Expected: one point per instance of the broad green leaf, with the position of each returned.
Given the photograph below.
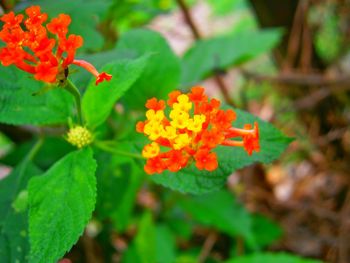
(222, 211)
(19, 106)
(162, 73)
(222, 52)
(85, 16)
(61, 202)
(98, 101)
(14, 244)
(272, 258)
(191, 180)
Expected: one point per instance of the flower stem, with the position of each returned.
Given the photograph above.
(36, 147)
(108, 148)
(72, 89)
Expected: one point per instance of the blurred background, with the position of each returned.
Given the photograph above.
(287, 62)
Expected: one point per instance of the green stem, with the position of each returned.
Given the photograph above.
(36, 147)
(105, 147)
(72, 89)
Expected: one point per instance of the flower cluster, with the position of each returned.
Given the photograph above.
(44, 51)
(196, 125)
(79, 136)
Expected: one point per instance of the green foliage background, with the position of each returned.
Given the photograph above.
(54, 191)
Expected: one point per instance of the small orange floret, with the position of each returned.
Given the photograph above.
(102, 77)
(206, 160)
(59, 25)
(173, 97)
(154, 104)
(197, 95)
(140, 125)
(251, 141)
(154, 165)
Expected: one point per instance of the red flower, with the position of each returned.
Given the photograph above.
(154, 104)
(33, 51)
(206, 160)
(191, 134)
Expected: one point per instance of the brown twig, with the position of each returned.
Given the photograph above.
(299, 79)
(189, 19)
(197, 36)
(294, 39)
(344, 230)
(208, 246)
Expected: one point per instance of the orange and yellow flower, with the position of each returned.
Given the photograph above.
(45, 51)
(195, 126)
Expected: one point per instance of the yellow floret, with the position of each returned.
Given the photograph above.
(169, 132)
(79, 136)
(183, 103)
(196, 123)
(153, 129)
(181, 141)
(151, 150)
(156, 116)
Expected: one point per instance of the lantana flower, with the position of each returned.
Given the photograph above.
(194, 128)
(45, 51)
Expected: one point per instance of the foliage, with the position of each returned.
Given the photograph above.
(55, 190)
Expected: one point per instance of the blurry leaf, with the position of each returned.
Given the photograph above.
(222, 211)
(143, 248)
(52, 149)
(265, 231)
(191, 180)
(224, 7)
(14, 244)
(222, 52)
(61, 202)
(85, 16)
(98, 101)
(165, 245)
(162, 73)
(145, 241)
(271, 258)
(118, 181)
(21, 202)
(328, 38)
(19, 106)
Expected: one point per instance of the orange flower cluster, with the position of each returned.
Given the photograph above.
(196, 125)
(30, 46)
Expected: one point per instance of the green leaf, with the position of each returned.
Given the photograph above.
(191, 180)
(85, 16)
(143, 247)
(265, 231)
(146, 239)
(162, 73)
(223, 52)
(14, 244)
(222, 211)
(117, 179)
(61, 202)
(165, 245)
(19, 106)
(99, 101)
(271, 258)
